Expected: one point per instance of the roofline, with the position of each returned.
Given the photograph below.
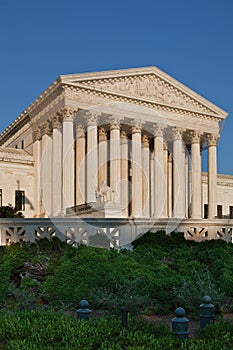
(62, 79)
(148, 69)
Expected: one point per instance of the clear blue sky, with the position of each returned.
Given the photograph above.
(190, 40)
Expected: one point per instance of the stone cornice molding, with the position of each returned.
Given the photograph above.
(99, 93)
(165, 94)
(149, 83)
(48, 97)
(102, 134)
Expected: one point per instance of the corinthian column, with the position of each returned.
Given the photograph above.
(57, 166)
(178, 175)
(145, 176)
(159, 180)
(36, 153)
(212, 176)
(165, 162)
(124, 174)
(46, 169)
(136, 170)
(92, 156)
(103, 156)
(115, 157)
(196, 197)
(170, 187)
(68, 160)
(80, 164)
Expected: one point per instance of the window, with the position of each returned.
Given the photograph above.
(0, 198)
(205, 211)
(19, 200)
(219, 211)
(22, 144)
(231, 211)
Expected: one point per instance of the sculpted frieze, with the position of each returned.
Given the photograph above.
(148, 86)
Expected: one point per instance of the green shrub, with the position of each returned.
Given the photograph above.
(5, 273)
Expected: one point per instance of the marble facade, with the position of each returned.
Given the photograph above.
(119, 144)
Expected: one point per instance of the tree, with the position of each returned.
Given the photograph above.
(9, 211)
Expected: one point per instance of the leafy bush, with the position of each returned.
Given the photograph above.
(9, 211)
(161, 273)
(5, 273)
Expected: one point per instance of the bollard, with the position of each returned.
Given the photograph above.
(180, 324)
(124, 317)
(83, 313)
(206, 312)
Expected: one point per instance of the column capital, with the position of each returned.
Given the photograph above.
(195, 136)
(212, 139)
(56, 121)
(92, 118)
(115, 122)
(67, 113)
(123, 136)
(158, 130)
(136, 126)
(80, 131)
(102, 134)
(46, 129)
(177, 133)
(36, 134)
(165, 146)
(169, 158)
(145, 141)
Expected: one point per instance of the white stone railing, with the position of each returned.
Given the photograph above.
(116, 233)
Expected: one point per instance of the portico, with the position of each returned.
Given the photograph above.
(125, 144)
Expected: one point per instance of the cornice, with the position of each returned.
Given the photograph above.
(95, 92)
(120, 75)
(44, 100)
(222, 179)
(55, 97)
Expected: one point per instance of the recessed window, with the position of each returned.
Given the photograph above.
(0, 198)
(22, 144)
(19, 200)
(205, 211)
(219, 211)
(231, 211)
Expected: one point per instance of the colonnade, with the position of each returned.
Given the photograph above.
(146, 172)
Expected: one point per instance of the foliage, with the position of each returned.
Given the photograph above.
(9, 211)
(5, 273)
(161, 273)
(53, 331)
(194, 287)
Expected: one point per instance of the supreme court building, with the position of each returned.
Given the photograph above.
(116, 144)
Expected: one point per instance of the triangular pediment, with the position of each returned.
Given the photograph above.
(150, 84)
